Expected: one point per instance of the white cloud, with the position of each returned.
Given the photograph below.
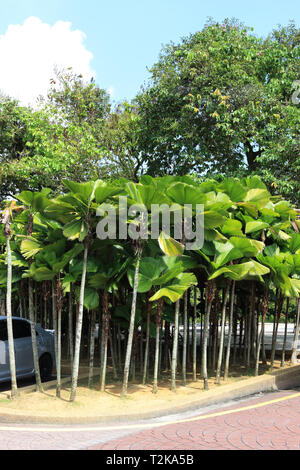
(30, 52)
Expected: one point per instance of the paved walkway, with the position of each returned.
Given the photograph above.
(269, 422)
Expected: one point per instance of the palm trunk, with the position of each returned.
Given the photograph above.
(35, 304)
(134, 351)
(201, 319)
(250, 320)
(119, 347)
(184, 352)
(105, 321)
(215, 330)
(3, 308)
(75, 370)
(285, 332)
(141, 351)
(274, 338)
(235, 331)
(10, 336)
(54, 322)
(296, 335)
(92, 349)
(146, 356)
(70, 321)
(263, 347)
(34, 340)
(175, 347)
(112, 352)
(131, 326)
(157, 348)
(195, 336)
(32, 318)
(226, 371)
(210, 291)
(241, 329)
(221, 347)
(258, 349)
(167, 350)
(45, 311)
(265, 305)
(101, 335)
(58, 362)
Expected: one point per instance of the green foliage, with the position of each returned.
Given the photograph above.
(63, 138)
(220, 102)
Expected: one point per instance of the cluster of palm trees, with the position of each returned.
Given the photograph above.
(54, 266)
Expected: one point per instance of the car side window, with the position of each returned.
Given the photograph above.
(3, 330)
(21, 329)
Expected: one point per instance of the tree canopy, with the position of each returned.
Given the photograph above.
(220, 102)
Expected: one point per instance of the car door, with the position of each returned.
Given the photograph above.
(4, 362)
(23, 347)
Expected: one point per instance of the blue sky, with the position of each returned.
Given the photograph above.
(125, 37)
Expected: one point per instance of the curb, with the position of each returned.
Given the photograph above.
(278, 380)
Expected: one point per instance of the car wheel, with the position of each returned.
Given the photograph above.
(45, 363)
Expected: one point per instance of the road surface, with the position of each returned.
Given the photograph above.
(266, 422)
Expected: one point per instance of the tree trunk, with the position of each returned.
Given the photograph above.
(105, 321)
(195, 336)
(265, 305)
(58, 362)
(263, 348)
(112, 352)
(215, 330)
(167, 346)
(10, 336)
(249, 324)
(92, 349)
(3, 309)
(221, 347)
(158, 322)
(146, 356)
(131, 326)
(275, 331)
(75, 370)
(32, 318)
(54, 322)
(70, 326)
(296, 335)
(285, 332)
(119, 347)
(175, 347)
(235, 331)
(210, 293)
(226, 371)
(134, 351)
(34, 340)
(184, 351)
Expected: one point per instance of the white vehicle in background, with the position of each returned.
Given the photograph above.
(23, 350)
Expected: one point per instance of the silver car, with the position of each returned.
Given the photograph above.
(23, 350)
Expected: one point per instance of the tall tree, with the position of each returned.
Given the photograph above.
(220, 101)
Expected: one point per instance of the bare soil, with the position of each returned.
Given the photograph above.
(92, 403)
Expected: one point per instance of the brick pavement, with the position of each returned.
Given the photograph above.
(274, 426)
